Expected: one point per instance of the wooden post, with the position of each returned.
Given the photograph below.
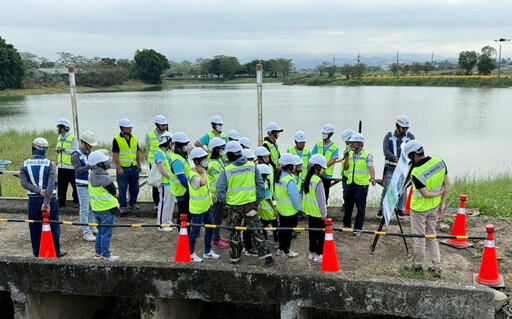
(259, 86)
(72, 86)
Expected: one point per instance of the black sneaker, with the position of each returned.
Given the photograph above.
(269, 261)
(251, 252)
(342, 208)
(418, 270)
(301, 215)
(434, 271)
(400, 213)
(76, 205)
(62, 253)
(379, 214)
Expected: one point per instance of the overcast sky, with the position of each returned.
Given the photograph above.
(255, 28)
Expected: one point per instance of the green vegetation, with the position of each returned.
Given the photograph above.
(12, 71)
(149, 65)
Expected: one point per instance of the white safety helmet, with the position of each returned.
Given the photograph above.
(104, 151)
(216, 142)
(166, 137)
(233, 147)
(264, 169)
(298, 160)
(216, 120)
(64, 122)
(412, 147)
(233, 135)
(327, 129)
(300, 136)
(244, 141)
(273, 127)
(402, 121)
(356, 137)
(40, 143)
(261, 151)
(124, 122)
(197, 152)
(180, 137)
(97, 157)
(347, 134)
(160, 120)
(88, 137)
(248, 154)
(287, 159)
(318, 159)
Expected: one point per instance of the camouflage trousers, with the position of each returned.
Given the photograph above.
(235, 241)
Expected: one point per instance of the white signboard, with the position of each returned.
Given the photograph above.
(395, 186)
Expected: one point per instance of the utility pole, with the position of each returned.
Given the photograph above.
(499, 59)
(358, 58)
(334, 61)
(397, 64)
(72, 86)
(259, 89)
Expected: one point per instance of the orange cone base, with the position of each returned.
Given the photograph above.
(182, 249)
(498, 283)
(330, 258)
(46, 247)
(460, 244)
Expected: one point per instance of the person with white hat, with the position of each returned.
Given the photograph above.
(217, 125)
(162, 159)
(301, 150)
(233, 135)
(180, 172)
(152, 141)
(82, 168)
(245, 142)
(360, 172)
(67, 144)
(125, 151)
(329, 150)
(267, 211)
(345, 136)
(392, 150)
(263, 157)
(270, 143)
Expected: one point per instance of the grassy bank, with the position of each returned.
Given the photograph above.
(449, 81)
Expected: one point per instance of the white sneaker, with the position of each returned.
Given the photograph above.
(166, 229)
(281, 253)
(111, 258)
(211, 255)
(292, 254)
(318, 258)
(93, 230)
(155, 207)
(195, 258)
(89, 237)
(98, 257)
(276, 245)
(312, 256)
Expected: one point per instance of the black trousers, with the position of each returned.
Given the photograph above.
(327, 187)
(285, 236)
(272, 222)
(183, 208)
(355, 194)
(66, 176)
(316, 238)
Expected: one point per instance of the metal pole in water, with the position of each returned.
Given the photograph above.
(72, 86)
(259, 87)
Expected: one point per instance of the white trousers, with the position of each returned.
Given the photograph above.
(165, 205)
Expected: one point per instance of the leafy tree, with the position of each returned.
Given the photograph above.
(203, 65)
(486, 63)
(12, 70)
(30, 60)
(394, 67)
(331, 70)
(468, 60)
(149, 65)
(416, 67)
(225, 66)
(322, 68)
(346, 70)
(282, 67)
(358, 70)
(250, 67)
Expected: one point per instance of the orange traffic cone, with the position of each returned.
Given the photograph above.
(489, 275)
(330, 258)
(459, 227)
(46, 247)
(183, 249)
(407, 208)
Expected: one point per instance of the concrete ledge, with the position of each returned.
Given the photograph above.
(243, 285)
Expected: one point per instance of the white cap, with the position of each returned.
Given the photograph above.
(244, 141)
(261, 151)
(402, 121)
(166, 137)
(216, 142)
(412, 146)
(347, 134)
(104, 151)
(96, 157)
(264, 169)
(248, 153)
(287, 159)
(124, 122)
(356, 137)
(180, 137)
(298, 160)
(88, 137)
(300, 136)
(318, 159)
(216, 120)
(65, 123)
(233, 135)
(328, 128)
(160, 119)
(233, 147)
(197, 152)
(40, 143)
(272, 126)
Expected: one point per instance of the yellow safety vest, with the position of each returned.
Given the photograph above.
(431, 174)
(217, 165)
(342, 171)
(305, 160)
(212, 135)
(127, 153)
(65, 144)
(200, 199)
(358, 173)
(274, 152)
(167, 166)
(241, 184)
(100, 199)
(328, 155)
(176, 188)
(153, 145)
(309, 200)
(265, 210)
(284, 204)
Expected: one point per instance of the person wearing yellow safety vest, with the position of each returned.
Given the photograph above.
(103, 199)
(299, 180)
(201, 200)
(360, 172)
(125, 151)
(288, 203)
(263, 157)
(240, 186)
(267, 211)
(233, 135)
(162, 159)
(345, 136)
(301, 150)
(329, 150)
(180, 172)
(313, 204)
(248, 249)
(245, 142)
(151, 142)
(215, 167)
(270, 143)
(67, 144)
(430, 188)
(217, 124)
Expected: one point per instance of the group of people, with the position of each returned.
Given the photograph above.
(260, 188)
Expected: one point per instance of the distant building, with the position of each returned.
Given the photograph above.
(56, 74)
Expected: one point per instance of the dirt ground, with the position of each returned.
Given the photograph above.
(148, 244)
